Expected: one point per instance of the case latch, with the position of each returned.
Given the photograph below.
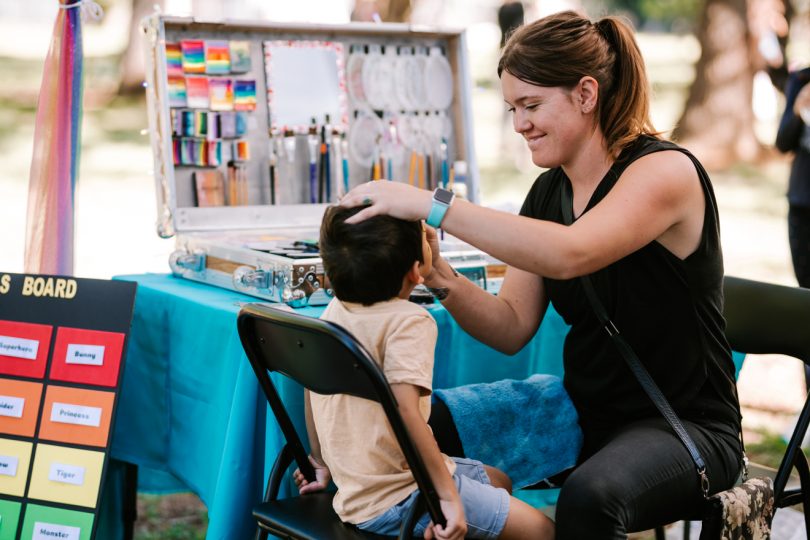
(246, 277)
(181, 261)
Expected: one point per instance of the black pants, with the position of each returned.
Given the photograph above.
(643, 477)
(635, 479)
(799, 236)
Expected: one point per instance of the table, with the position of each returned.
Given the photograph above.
(191, 415)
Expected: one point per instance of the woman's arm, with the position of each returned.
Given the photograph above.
(658, 197)
(505, 322)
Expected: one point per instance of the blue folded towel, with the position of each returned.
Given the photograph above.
(528, 429)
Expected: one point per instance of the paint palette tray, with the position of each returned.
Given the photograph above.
(257, 127)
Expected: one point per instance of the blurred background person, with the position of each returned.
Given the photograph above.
(510, 16)
(794, 136)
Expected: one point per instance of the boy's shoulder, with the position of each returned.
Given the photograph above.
(396, 307)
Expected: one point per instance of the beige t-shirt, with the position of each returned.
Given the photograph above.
(357, 442)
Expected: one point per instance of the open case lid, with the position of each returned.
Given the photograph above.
(190, 46)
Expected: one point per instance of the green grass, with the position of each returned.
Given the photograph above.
(178, 516)
(768, 450)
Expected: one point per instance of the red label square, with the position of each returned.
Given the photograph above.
(24, 348)
(87, 356)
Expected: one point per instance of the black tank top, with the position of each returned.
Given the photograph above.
(669, 311)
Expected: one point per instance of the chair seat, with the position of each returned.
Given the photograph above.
(308, 517)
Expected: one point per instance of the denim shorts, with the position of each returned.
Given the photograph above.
(485, 507)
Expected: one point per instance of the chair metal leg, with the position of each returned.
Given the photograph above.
(130, 500)
(800, 462)
(659, 533)
(794, 447)
(687, 529)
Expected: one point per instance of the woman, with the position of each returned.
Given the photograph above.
(645, 229)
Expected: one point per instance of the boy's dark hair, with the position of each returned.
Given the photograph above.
(366, 261)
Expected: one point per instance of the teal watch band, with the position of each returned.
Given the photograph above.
(442, 199)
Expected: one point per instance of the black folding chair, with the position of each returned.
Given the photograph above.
(326, 359)
(765, 318)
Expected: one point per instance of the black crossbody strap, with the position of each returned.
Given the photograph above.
(632, 360)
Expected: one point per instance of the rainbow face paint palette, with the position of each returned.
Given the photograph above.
(244, 95)
(193, 56)
(256, 127)
(217, 57)
(221, 94)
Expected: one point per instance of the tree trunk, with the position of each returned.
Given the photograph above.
(718, 121)
(132, 63)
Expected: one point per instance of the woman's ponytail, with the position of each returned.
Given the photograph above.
(625, 110)
(560, 49)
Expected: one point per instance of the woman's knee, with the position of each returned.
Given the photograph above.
(588, 507)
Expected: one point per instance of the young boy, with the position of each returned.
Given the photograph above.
(373, 267)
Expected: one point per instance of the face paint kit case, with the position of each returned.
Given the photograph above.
(256, 127)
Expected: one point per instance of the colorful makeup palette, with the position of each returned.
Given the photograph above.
(193, 51)
(177, 91)
(197, 93)
(174, 60)
(244, 92)
(217, 57)
(240, 56)
(221, 94)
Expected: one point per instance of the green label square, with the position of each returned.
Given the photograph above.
(57, 517)
(9, 518)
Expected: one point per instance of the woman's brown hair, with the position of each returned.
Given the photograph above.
(560, 49)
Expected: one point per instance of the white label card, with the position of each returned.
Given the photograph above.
(19, 347)
(51, 531)
(88, 355)
(66, 474)
(76, 414)
(8, 465)
(12, 406)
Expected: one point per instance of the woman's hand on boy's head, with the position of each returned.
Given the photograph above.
(322, 478)
(388, 198)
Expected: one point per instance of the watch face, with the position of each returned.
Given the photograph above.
(443, 195)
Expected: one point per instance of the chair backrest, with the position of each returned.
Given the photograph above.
(765, 318)
(326, 359)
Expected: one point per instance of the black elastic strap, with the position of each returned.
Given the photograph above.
(632, 360)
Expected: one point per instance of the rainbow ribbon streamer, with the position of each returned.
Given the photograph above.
(57, 146)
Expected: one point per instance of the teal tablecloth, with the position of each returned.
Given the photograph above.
(190, 412)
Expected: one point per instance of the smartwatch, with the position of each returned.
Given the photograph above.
(442, 199)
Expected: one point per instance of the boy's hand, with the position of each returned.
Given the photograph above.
(456, 526)
(322, 478)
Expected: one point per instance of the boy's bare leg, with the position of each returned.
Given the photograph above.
(498, 478)
(526, 522)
